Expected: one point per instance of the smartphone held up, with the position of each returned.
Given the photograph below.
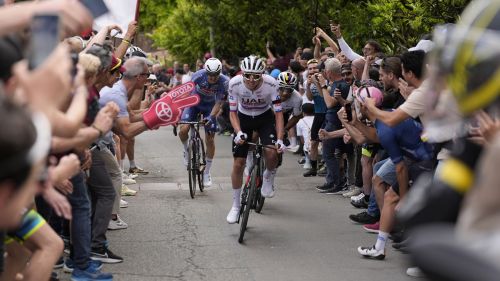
(45, 36)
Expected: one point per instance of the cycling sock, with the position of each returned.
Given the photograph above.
(132, 163)
(208, 166)
(269, 175)
(314, 164)
(236, 198)
(185, 144)
(381, 240)
(293, 141)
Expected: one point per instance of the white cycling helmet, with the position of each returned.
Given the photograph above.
(213, 65)
(252, 64)
(287, 80)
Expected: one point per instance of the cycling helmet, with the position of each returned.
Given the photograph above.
(287, 80)
(135, 51)
(370, 92)
(252, 64)
(469, 59)
(213, 65)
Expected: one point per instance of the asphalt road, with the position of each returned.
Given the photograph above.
(300, 235)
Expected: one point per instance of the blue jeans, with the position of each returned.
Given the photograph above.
(373, 209)
(333, 176)
(80, 226)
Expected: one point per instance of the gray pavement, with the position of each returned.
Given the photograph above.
(300, 235)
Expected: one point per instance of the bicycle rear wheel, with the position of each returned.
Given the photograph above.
(201, 163)
(246, 204)
(192, 173)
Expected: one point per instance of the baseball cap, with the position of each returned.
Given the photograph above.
(170, 70)
(116, 63)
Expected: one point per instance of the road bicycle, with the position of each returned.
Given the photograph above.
(250, 196)
(196, 151)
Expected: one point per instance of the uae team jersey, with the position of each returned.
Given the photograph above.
(254, 103)
(209, 93)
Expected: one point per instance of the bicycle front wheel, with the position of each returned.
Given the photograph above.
(192, 167)
(259, 199)
(247, 204)
(201, 163)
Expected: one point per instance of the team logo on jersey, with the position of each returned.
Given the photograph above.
(252, 101)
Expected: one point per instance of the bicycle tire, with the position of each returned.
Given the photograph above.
(192, 168)
(247, 204)
(201, 163)
(259, 200)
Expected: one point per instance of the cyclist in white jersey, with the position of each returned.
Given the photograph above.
(251, 96)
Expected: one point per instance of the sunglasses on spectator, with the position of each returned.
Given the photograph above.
(255, 77)
(344, 74)
(145, 74)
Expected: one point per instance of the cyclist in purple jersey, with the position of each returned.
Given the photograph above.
(211, 86)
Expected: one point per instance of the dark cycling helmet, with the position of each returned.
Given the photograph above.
(213, 66)
(468, 57)
(287, 80)
(252, 64)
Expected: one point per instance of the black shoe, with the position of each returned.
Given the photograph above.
(302, 160)
(362, 204)
(59, 263)
(310, 173)
(323, 188)
(336, 190)
(397, 236)
(403, 245)
(363, 218)
(105, 255)
(54, 276)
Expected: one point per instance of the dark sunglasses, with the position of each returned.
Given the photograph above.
(213, 74)
(255, 77)
(344, 74)
(287, 90)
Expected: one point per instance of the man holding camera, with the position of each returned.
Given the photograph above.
(335, 96)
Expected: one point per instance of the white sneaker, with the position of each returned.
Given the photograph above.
(307, 166)
(267, 189)
(131, 176)
(293, 148)
(357, 197)
(354, 191)
(414, 272)
(233, 215)
(123, 203)
(117, 224)
(128, 181)
(207, 180)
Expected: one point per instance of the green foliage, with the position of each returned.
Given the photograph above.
(242, 27)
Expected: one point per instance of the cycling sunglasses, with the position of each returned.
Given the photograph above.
(256, 77)
(287, 90)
